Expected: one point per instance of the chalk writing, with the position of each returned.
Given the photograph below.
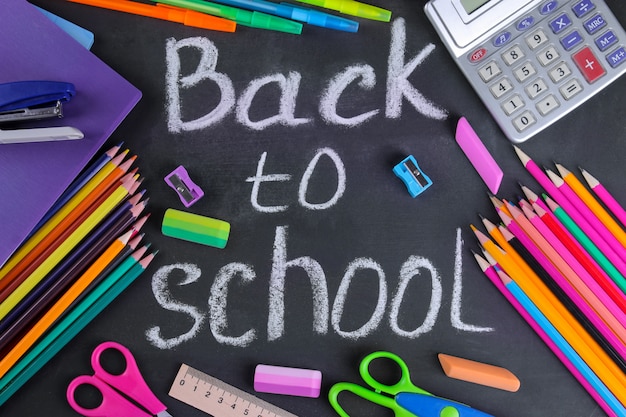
(398, 88)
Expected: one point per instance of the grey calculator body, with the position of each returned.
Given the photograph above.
(532, 61)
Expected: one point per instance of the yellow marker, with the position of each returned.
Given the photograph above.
(353, 8)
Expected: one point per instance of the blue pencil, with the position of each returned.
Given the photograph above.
(611, 401)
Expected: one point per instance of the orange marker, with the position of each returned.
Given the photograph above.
(178, 15)
(478, 373)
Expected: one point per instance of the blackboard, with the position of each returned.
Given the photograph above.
(370, 225)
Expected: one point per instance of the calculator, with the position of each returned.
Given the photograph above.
(532, 61)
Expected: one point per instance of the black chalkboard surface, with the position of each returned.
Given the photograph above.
(322, 231)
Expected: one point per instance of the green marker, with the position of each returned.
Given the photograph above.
(243, 17)
(586, 243)
(353, 8)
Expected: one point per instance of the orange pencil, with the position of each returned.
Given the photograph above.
(61, 305)
(110, 173)
(171, 14)
(593, 204)
(48, 243)
(562, 320)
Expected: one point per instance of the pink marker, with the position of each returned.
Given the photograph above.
(478, 155)
(287, 381)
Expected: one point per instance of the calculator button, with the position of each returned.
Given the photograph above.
(547, 104)
(501, 87)
(548, 56)
(513, 55)
(570, 89)
(588, 64)
(502, 39)
(535, 88)
(524, 121)
(548, 7)
(536, 39)
(560, 72)
(595, 24)
(570, 40)
(524, 72)
(605, 41)
(477, 55)
(513, 104)
(525, 24)
(617, 58)
(583, 7)
(489, 71)
(561, 23)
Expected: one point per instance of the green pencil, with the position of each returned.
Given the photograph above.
(73, 323)
(587, 244)
(249, 18)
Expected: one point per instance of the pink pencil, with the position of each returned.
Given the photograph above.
(606, 197)
(584, 284)
(526, 240)
(589, 215)
(554, 192)
(490, 273)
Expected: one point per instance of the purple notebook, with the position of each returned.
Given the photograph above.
(33, 175)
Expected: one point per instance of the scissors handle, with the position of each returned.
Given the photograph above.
(404, 384)
(130, 381)
(367, 394)
(113, 403)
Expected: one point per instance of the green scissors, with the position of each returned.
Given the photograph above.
(403, 398)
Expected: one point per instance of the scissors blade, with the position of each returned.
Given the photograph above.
(431, 406)
(164, 413)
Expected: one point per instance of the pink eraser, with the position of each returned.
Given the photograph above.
(287, 381)
(478, 155)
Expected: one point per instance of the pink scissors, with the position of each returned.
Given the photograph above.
(130, 383)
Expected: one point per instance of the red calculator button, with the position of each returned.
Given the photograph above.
(588, 64)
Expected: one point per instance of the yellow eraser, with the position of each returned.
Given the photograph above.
(478, 373)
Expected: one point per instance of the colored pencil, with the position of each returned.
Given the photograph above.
(87, 174)
(569, 208)
(43, 297)
(69, 244)
(63, 332)
(33, 241)
(61, 305)
(587, 214)
(60, 226)
(581, 256)
(562, 345)
(591, 303)
(560, 318)
(605, 196)
(589, 200)
(589, 246)
(531, 256)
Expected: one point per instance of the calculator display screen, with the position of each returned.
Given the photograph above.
(471, 5)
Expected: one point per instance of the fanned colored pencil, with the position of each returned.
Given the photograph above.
(593, 204)
(562, 320)
(61, 305)
(63, 332)
(606, 197)
(58, 228)
(69, 244)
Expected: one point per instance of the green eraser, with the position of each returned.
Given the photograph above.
(195, 228)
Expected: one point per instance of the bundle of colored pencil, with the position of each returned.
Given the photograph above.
(85, 251)
(560, 260)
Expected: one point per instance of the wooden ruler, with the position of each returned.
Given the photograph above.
(217, 398)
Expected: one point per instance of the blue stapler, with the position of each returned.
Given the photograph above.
(31, 100)
(412, 176)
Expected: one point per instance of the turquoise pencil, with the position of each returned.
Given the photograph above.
(600, 388)
(73, 323)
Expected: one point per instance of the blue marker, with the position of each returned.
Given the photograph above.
(414, 179)
(300, 14)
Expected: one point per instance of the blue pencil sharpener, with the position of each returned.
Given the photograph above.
(412, 176)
